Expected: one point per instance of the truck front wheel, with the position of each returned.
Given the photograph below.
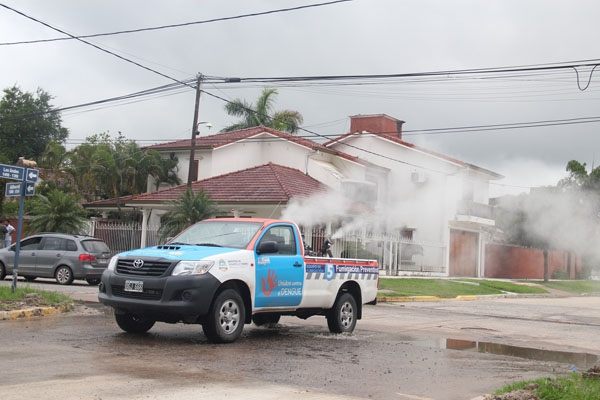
(342, 316)
(225, 320)
(132, 323)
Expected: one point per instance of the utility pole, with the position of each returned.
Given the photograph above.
(194, 132)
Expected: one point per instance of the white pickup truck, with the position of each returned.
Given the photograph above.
(227, 272)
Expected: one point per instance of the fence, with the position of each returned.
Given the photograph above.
(396, 254)
(122, 236)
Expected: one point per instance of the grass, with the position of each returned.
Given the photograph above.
(572, 387)
(578, 287)
(449, 288)
(8, 298)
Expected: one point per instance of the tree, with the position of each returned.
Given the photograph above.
(262, 114)
(57, 212)
(564, 217)
(53, 170)
(106, 168)
(580, 179)
(188, 209)
(28, 123)
(166, 171)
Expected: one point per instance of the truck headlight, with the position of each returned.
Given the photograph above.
(192, 267)
(112, 264)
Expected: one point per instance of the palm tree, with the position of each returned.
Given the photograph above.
(57, 212)
(53, 165)
(187, 210)
(262, 114)
(166, 171)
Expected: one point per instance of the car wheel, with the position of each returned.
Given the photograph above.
(266, 318)
(2, 271)
(132, 323)
(225, 320)
(93, 281)
(342, 316)
(64, 275)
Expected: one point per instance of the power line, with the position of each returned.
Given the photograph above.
(95, 46)
(514, 125)
(159, 90)
(256, 14)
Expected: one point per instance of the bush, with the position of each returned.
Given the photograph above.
(560, 274)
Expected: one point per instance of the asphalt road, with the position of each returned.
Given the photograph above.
(423, 350)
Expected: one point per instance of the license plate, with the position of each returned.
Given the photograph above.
(134, 286)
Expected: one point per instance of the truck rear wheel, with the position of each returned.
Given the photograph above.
(342, 316)
(132, 323)
(225, 320)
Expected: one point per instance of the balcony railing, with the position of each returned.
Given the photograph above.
(473, 209)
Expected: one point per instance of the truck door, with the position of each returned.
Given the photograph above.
(279, 275)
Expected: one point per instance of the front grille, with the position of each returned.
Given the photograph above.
(147, 294)
(150, 267)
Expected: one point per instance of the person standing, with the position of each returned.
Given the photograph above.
(3, 232)
(9, 231)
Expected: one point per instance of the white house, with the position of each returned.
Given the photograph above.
(438, 198)
(368, 181)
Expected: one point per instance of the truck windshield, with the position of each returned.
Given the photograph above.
(219, 233)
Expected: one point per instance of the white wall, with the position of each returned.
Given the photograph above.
(427, 205)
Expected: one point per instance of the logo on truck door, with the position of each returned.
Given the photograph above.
(279, 276)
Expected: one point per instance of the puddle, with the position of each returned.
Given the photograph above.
(579, 360)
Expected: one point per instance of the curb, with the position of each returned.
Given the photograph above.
(412, 299)
(35, 312)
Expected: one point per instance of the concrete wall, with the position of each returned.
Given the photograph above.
(514, 262)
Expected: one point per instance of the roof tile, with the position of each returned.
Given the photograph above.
(263, 184)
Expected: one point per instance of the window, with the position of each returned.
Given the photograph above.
(194, 174)
(70, 245)
(284, 237)
(93, 246)
(53, 243)
(31, 243)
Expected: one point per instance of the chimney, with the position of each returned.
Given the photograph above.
(378, 123)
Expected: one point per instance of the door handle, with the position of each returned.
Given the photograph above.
(297, 264)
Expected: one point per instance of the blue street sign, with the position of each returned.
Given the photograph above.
(13, 189)
(12, 172)
(31, 175)
(29, 189)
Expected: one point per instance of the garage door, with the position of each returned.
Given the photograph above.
(463, 253)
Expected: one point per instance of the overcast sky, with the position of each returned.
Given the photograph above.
(360, 37)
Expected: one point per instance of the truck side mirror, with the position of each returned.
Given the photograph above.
(267, 247)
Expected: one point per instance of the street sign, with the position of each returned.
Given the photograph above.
(29, 189)
(12, 172)
(13, 189)
(31, 175)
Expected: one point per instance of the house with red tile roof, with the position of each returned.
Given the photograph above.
(236, 150)
(258, 191)
(388, 185)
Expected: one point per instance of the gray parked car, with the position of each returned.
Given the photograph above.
(58, 255)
